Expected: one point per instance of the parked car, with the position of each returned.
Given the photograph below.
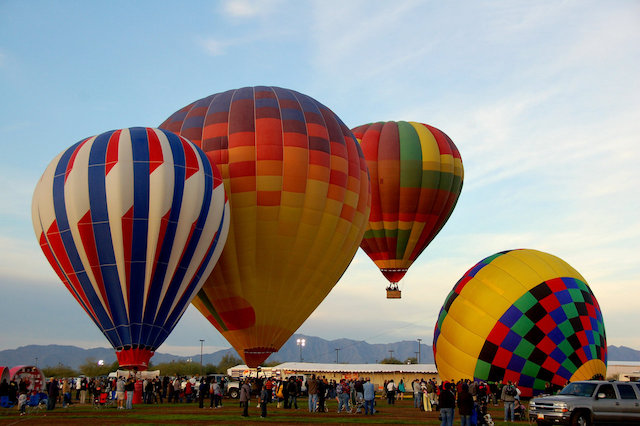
(230, 386)
(589, 402)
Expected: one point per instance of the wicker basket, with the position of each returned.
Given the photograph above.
(394, 294)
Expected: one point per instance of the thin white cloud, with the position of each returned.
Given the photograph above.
(214, 47)
(243, 9)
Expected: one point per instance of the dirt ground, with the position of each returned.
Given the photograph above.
(400, 413)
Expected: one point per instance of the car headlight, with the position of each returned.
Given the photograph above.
(561, 407)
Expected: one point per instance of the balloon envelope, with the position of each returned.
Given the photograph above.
(132, 221)
(521, 315)
(299, 195)
(416, 178)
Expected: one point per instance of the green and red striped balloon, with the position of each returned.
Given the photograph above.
(416, 178)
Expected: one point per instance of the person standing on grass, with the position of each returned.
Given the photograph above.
(312, 388)
(264, 400)
(415, 386)
(322, 392)
(465, 405)
(293, 388)
(120, 393)
(66, 393)
(202, 391)
(212, 393)
(401, 389)
(129, 388)
(52, 394)
(217, 394)
(344, 391)
(447, 404)
(285, 391)
(391, 392)
(369, 395)
(509, 394)
(245, 397)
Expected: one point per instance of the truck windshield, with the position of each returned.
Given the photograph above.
(579, 389)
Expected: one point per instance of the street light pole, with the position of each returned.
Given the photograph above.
(419, 342)
(300, 343)
(201, 343)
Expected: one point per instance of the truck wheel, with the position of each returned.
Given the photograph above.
(233, 393)
(581, 419)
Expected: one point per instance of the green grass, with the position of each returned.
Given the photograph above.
(402, 413)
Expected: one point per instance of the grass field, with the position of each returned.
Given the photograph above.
(189, 414)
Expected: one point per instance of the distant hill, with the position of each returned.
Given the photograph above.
(622, 353)
(316, 349)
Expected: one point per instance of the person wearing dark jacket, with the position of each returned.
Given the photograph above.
(264, 400)
(294, 390)
(245, 397)
(447, 403)
(322, 391)
(465, 405)
(285, 392)
(202, 391)
(52, 394)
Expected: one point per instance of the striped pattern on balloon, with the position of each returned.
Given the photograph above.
(132, 221)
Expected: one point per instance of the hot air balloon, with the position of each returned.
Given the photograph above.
(299, 194)
(132, 221)
(416, 178)
(524, 316)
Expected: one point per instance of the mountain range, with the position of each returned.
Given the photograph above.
(316, 349)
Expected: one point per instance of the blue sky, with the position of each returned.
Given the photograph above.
(541, 98)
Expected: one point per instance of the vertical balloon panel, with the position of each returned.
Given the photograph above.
(299, 195)
(132, 221)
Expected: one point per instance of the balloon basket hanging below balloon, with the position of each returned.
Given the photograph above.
(393, 292)
(134, 358)
(394, 275)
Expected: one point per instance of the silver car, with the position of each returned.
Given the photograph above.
(589, 402)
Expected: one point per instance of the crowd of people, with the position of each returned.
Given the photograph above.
(352, 396)
(471, 398)
(357, 395)
(119, 390)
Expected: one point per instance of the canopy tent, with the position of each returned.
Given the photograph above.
(4, 374)
(30, 373)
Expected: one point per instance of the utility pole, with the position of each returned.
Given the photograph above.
(301, 343)
(201, 343)
(337, 350)
(391, 357)
(419, 342)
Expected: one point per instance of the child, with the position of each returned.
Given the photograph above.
(22, 403)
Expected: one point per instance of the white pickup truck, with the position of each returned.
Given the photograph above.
(589, 402)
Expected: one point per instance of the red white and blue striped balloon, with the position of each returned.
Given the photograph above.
(132, 221)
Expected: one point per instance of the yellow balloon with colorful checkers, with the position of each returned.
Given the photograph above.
(524, 316)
